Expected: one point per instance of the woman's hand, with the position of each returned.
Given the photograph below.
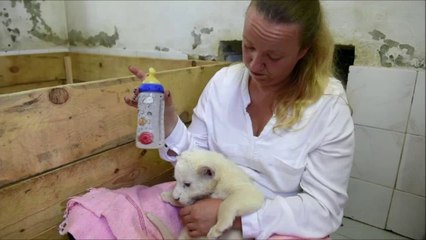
(133, 101)
(200, 216)
(170, 116)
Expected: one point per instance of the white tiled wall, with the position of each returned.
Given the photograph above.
(416, 124)
(411, 176)
(381, 97)
(368, 202)
(377, 155)
(407, 215)
(387, 186)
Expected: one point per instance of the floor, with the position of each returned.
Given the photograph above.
(352, 229)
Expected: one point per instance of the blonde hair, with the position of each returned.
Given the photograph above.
(311, 74)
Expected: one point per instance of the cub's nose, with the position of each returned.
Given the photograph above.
(176, 199)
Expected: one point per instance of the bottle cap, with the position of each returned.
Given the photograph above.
(151, 83)
(151, 77)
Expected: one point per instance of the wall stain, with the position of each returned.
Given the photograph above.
(392, 53)
(197, 39)
(197, 35)
(206, 30)
(41, 30)
(102, 38)
(377, 35)
(7, 21)
(162, 49)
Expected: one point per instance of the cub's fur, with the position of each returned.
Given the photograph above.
(206, 174)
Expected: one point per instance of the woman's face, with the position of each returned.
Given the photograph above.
(270, 50)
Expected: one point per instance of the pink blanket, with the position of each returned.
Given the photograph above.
(119, 214)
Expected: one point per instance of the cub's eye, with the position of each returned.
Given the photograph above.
(186, 184)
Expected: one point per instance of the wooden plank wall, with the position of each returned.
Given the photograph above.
(57, 142)
(89, 67)
(22, 72)
(25, 72)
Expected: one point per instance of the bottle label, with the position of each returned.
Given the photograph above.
(150, 122)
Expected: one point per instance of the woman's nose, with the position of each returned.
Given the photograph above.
(257, 64)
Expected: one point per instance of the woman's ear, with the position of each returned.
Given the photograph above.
(206, 172)
(302, 53)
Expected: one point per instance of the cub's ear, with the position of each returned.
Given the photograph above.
(206, 172)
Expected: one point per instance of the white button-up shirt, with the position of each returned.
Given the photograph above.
(303, 172)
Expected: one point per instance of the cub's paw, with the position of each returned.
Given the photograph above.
(214, 233)
(168, 198)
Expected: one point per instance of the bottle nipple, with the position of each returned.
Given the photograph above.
(151, 76)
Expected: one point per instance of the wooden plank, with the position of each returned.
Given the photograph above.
(166, 176)
(89, 67)
(30, 86)
(33, 68)
(68, 70)
(35, 206)
(37, 135)
(51, 233)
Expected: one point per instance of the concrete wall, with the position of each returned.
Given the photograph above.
(32, 26)
(161, 28)
(384, 33)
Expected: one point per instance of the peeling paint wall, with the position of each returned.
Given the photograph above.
(39, 25)
(384, 33)
(92, 24)
(174, 29)
(28, 25)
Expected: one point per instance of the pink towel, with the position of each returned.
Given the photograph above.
(119, 214)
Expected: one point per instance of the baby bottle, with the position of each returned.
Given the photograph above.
(150, 126)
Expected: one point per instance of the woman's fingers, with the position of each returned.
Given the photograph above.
(191, 226)
(130, 101)
(138, 73)
(194, 233)
(168, 98)
(133, 101)
(187, 219)
(185, 211)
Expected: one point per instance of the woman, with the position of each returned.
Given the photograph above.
(281, 118)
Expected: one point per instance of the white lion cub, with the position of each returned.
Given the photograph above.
(206, 174)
